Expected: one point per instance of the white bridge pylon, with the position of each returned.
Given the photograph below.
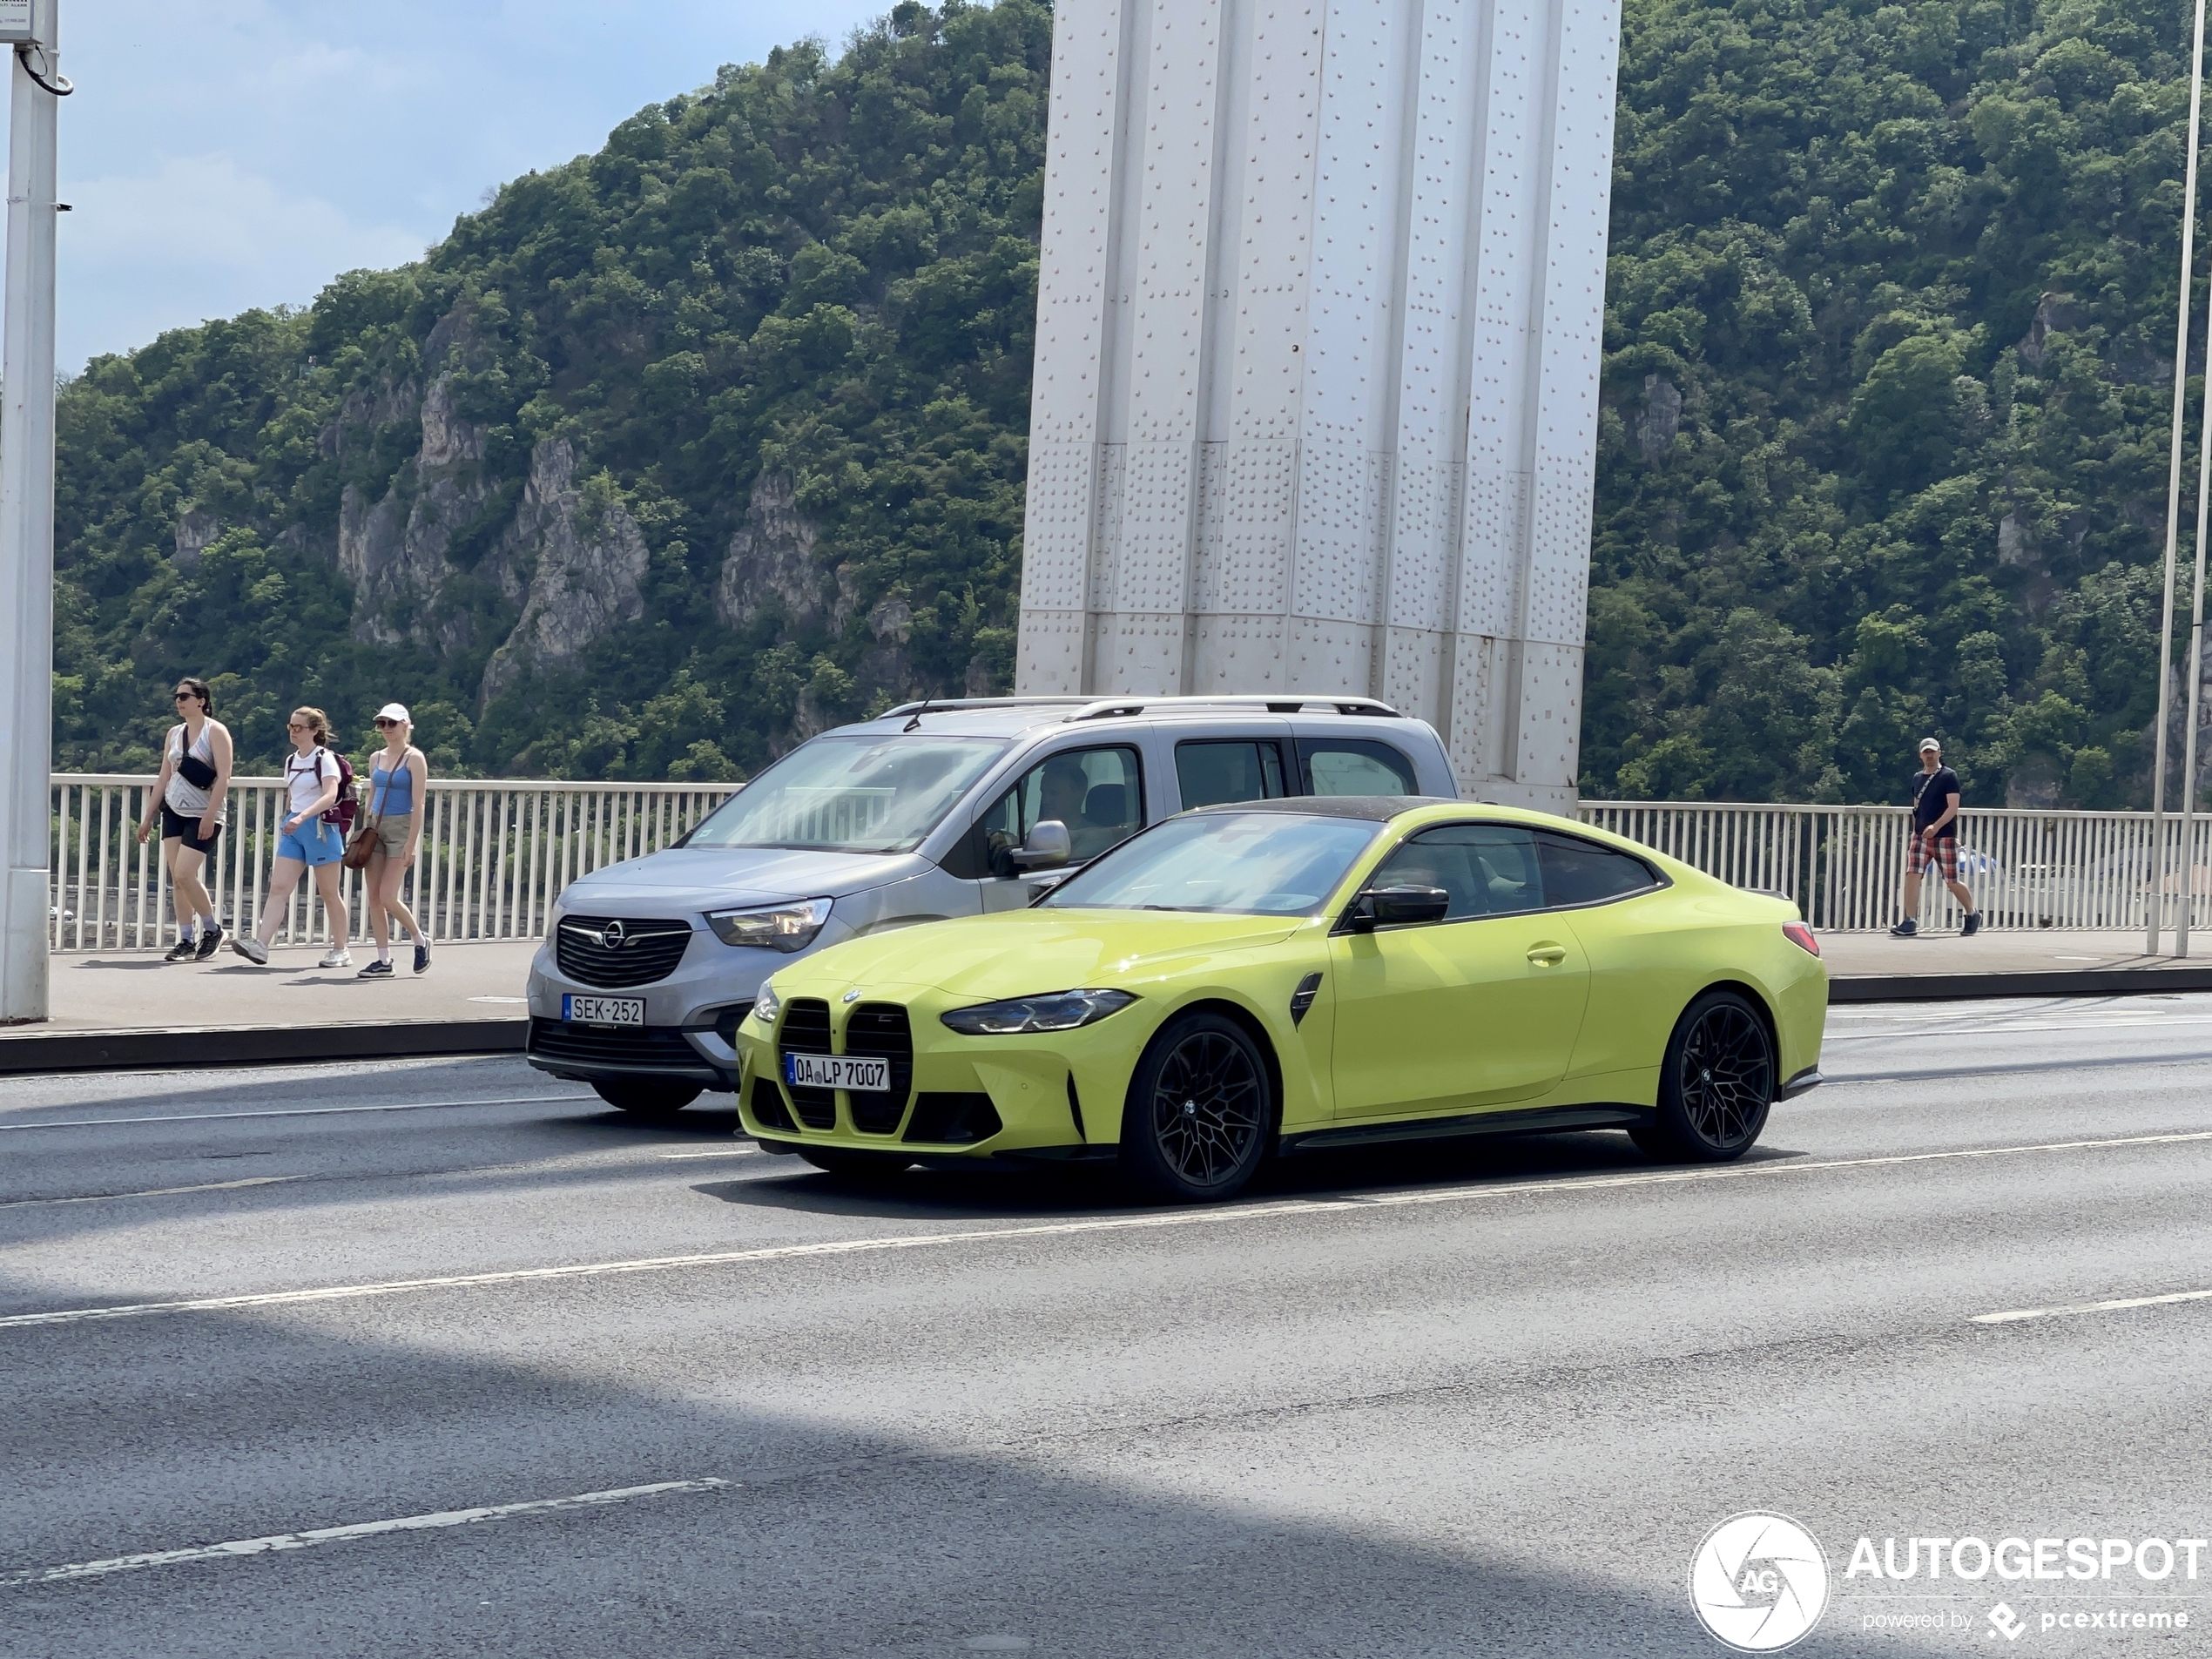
(1319, 333)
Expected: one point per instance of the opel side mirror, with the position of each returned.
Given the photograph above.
(1047, 848)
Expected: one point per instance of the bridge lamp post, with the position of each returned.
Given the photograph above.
(2161, 862)
(27, 505)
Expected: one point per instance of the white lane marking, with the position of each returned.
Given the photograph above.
(156, 1192)
(334, 1534)
(2010, 1030)
(718, 1152)
(303, 1111)
(1056, 1229)
(2013, 1316)
(500, 999)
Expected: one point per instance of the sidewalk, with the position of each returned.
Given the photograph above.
(1873, 967)
(130, 1008)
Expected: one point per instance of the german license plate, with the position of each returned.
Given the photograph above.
(603, 1010)
(836, 1071)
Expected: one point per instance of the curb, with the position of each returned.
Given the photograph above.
(245, 1045)
(2080, 982)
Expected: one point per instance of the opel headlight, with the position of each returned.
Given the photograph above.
(781, 927)
(766, 1005)
(1054, 1011)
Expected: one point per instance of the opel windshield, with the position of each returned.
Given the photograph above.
(869, 794)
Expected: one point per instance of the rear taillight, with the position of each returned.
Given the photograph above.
(1800, 935)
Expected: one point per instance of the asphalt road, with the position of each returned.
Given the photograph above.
(1481, 1399)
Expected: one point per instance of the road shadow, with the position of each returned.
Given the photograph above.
(1015, 1191)
(1291, 1524)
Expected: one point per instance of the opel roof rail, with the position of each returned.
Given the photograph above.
(948, 704)
(1270, 702)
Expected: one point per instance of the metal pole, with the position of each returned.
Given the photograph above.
(27, 527)
(2183, 916)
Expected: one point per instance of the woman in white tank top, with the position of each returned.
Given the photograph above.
(187, 797)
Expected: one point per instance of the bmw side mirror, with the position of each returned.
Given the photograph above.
(1392, 905)
(1047, 848)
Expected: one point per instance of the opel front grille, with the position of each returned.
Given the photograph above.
(614, 953)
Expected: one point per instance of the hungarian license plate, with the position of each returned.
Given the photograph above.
(836, 1071)
(603, 1010)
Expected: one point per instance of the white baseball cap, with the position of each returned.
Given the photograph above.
(395, 711)
(1926, 743)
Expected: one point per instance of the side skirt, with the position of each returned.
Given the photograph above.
(1535, 1120)
(1808, 1078)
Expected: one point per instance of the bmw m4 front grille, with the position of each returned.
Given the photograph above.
(807, 1030)
(876, 1029)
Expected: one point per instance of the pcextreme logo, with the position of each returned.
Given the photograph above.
(1759, 1582)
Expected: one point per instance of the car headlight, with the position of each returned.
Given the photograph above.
(780, 927)
(766, 1005)
(1054, 1011)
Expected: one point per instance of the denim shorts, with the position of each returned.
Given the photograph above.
(313, 843)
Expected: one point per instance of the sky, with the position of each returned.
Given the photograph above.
(222, 154)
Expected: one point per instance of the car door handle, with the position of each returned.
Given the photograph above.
(1548, 954)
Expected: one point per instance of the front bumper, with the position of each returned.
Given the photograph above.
(690, 1019)
(1053, 1095)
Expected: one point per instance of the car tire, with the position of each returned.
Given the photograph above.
(1716, 1084)
(1201, 1112)
(647, 1099)
(853, 1166)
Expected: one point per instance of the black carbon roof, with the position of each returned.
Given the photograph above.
(1379, 809)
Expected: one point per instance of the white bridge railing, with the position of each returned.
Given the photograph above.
(495, 853)
(1842, 864)
(493, 857)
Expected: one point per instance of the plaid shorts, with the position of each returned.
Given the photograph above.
(1944, 856)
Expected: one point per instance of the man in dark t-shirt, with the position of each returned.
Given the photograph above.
(1935, 840)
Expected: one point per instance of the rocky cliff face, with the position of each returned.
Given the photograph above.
(562, 573)
(587, 563)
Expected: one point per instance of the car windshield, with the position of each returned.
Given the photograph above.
(877, 794)
(1269, 864)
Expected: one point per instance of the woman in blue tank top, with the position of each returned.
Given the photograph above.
(399, 783)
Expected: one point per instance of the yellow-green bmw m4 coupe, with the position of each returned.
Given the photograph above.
(1286, 977)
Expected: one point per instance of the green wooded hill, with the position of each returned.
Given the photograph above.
(702, 443)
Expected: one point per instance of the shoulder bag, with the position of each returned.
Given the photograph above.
(363, 847)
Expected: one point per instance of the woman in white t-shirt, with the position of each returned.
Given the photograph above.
(305, 842)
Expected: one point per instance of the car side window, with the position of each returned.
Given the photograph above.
(1578, 872)
(1213, 771)
(1354, 766)
(1488, 869)
(1097, 793)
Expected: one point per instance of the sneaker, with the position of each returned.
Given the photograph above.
(1906, 929)
(377, 969)
(210, 936)
(253, 949)
(340, 958)
(183, 951)
(1972, 925)
(422, 957)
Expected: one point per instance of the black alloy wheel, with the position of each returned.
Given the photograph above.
(1200, 1112)
(647, 1099)
(1717, 1084)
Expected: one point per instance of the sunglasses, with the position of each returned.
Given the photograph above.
(296, 726)
(182, 696)
(382, 724)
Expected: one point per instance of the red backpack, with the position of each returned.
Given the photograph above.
(341, 810)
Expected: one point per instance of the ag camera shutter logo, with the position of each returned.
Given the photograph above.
(1759, 1582)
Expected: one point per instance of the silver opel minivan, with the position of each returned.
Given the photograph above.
(937, 809)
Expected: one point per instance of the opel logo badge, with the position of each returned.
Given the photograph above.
(610, 936)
